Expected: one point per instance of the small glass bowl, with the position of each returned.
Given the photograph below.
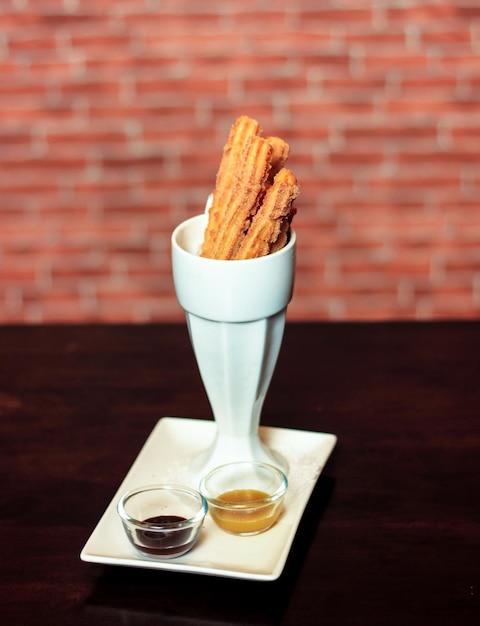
(246, 497)
(162, 521)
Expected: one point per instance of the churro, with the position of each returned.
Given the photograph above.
(247, 195)
(280, 151)
(226, 178)
(252, 205)
(273, 218)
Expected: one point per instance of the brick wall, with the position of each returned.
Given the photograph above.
(113, 114)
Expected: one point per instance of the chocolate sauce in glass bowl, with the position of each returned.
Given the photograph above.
(164, 543)
(164, 520)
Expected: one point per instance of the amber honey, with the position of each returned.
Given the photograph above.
(247, 514)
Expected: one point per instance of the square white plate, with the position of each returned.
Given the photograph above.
(165, 457)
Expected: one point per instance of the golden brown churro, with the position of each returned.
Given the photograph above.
(280, 150)
(273, 217)
(252, 205)
(227, 175)
(247, 195)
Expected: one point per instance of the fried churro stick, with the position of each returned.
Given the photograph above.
(280, 151)
(284, 232)
(272, 221)
(247, 195)
(243, 128)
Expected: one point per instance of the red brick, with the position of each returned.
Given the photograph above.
(399, 61)
(314, 16)
(16, 271)
(452, 37)
(423, 14)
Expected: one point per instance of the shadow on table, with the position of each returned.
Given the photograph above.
(122, 594)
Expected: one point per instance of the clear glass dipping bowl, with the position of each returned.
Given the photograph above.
(246, 497)
(162, 521)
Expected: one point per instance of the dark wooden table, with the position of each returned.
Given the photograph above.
(391, 534)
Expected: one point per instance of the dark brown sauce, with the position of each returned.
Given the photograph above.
(168, 543)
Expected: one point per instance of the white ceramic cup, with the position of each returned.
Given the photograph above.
(235, 314)
(229, 291)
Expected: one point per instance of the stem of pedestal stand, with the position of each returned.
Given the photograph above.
(236, 363)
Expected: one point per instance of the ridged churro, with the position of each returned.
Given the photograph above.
(247, 195)
(227, 176)
(252, 204)
(272, 219)
(280, 151)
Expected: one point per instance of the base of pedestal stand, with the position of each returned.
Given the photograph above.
(226, 449)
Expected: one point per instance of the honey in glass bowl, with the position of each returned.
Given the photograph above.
(245, 498)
